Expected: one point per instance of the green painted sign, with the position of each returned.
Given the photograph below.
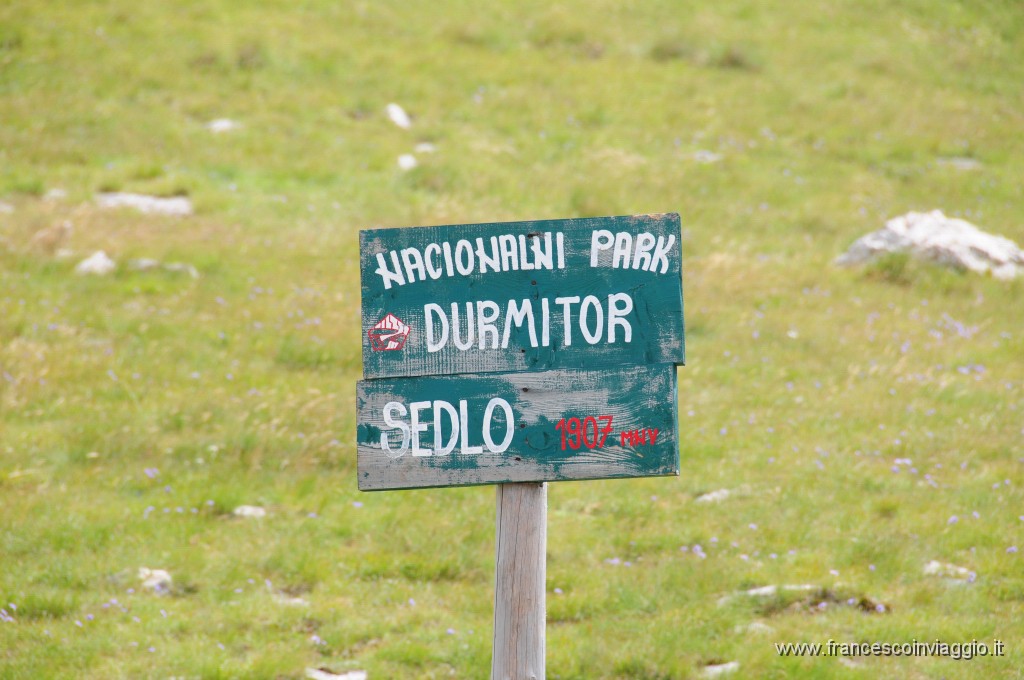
(565, 424)
(522, 296)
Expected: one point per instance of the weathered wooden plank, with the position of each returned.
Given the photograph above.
(519, 583)
(522, 296)
(625, 426)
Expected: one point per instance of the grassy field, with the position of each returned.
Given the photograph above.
(866, 421)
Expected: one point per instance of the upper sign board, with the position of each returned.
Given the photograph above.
(522, 296)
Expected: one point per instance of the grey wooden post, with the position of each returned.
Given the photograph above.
(519, 589)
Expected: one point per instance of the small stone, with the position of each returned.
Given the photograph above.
(765, 591)
(290, 601)
(155, 579)
(758, 627)
(143, 264)
(714, 496)
(705, 156)
(715, 670)
(182, 267)
(952, 573)
(324, 674)
(175, 205)
(98, 263)
(249, 511)
(398, 116)
(55, 195)
(407, 161)
(222, 125)
(960, 163)
(425, 147)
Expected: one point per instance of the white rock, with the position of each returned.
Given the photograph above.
(936, 568)
(705, 156)
(425, 147)
(143, 264)
(713, 496)
(290, 601)
(945, 240)
(250, 511)
(765, 591)
(407, 161)
(64, 253)
(720, 669)
(155, 579)
(98, 263)
(398, 116)
(176, 205)
(754, 627)
(6, 208)
(321, 674)
(182, 267)
(146, 264)
(222, 125)
(55, 195)
(960, 163)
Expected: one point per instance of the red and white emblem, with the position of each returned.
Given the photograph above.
(388, 334)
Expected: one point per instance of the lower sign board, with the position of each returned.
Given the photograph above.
(555, 425)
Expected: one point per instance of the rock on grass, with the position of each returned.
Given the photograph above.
(98, 264)
(157, 580)
(715, 670)
(151, 205)
(398, 116)
(713, 496)
(222, 125)
(944, 240)
(950, 572)
(324, 674)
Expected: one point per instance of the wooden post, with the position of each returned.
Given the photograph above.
(519, 613)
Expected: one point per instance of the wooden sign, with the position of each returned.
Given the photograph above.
(484, 429)
(522, 296)
(516, 353)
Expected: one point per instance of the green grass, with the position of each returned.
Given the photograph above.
(805, 382)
